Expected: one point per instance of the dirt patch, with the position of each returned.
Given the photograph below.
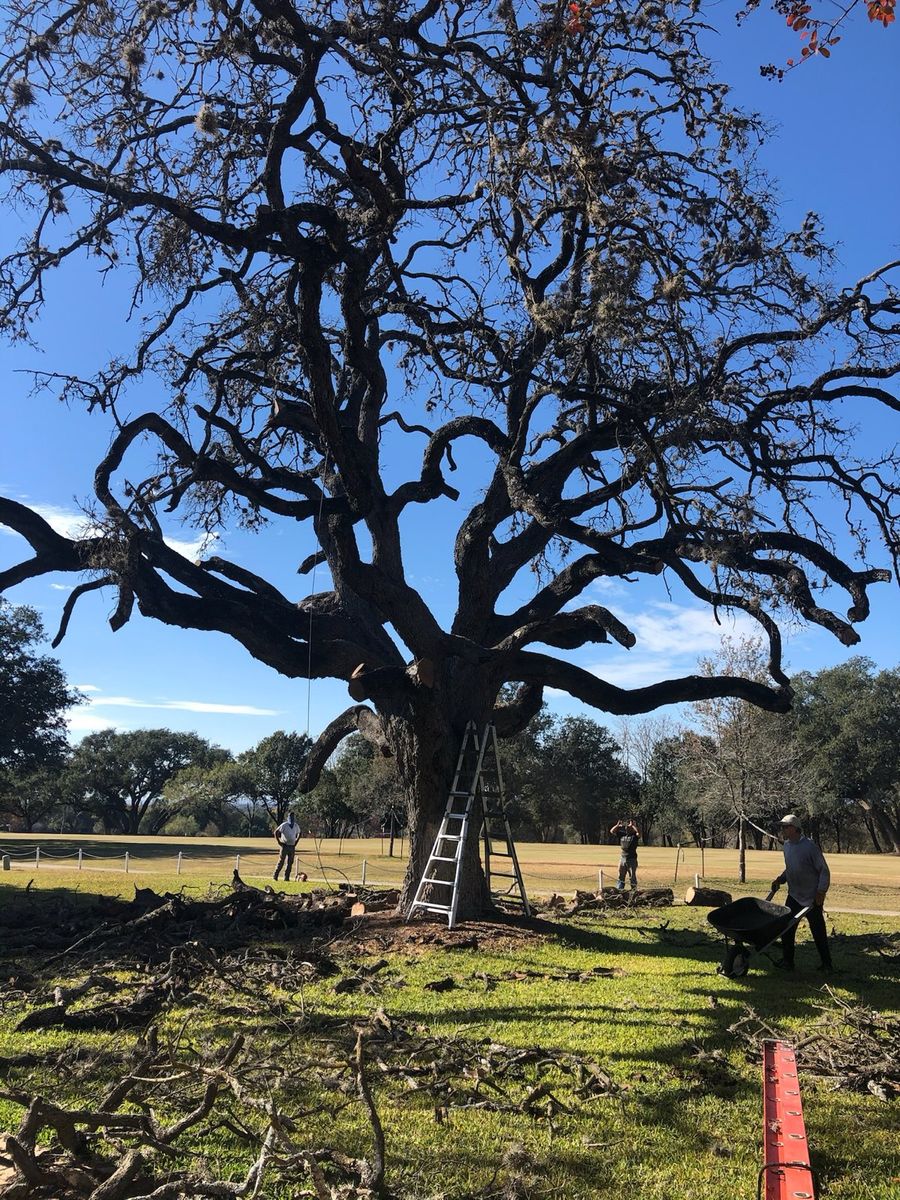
(383, 932)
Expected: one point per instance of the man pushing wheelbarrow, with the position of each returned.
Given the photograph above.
(750, 925)
(808, 879)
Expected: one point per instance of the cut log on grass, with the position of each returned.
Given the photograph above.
(704, 897)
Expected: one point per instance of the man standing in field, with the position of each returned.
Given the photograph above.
(628, 835)
(808, 877)
(287, 834)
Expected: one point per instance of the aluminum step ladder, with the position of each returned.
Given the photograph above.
(476, 792)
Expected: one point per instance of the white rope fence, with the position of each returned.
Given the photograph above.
(35, 858)
(258, 864)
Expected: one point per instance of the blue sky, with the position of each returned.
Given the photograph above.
(837, 150)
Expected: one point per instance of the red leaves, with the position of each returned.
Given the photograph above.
(580, 15)
(881, 10)
(817, 31)
(575, 21)
(796, 18)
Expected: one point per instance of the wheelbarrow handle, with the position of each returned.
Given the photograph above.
(772, 892)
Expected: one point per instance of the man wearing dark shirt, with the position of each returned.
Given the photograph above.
(628, 835)
(808, 877)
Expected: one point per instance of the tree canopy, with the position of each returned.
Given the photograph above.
(123, 776)
(34, 694)
(847, 719)
(368, 238)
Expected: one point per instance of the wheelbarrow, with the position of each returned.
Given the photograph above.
(750, 926)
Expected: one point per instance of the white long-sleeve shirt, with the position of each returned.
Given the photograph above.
(805, 870)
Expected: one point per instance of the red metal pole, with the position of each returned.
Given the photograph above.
(786, 1172)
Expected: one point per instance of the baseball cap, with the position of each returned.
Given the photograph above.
(792, 819)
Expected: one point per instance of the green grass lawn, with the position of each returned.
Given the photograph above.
(682, 1121)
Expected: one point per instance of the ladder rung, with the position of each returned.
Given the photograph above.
(448, 837)
(503, 875)
(445, 908)
(429, 879)
(467, 792)
(441, 858)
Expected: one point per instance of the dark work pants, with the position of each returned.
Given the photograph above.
(627, 866)
(285, 860)
(816, 918)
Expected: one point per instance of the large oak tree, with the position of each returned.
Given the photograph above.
(371, 231)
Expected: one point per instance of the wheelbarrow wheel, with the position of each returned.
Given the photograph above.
(740, 965)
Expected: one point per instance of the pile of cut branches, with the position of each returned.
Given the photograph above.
(849, 1046)
(150, 925)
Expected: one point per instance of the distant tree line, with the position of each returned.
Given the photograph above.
(835, 759)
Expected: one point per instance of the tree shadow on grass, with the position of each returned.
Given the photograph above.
(573, 936)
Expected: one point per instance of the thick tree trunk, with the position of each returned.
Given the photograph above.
(882, 819)
(870, 827)
(425, 737)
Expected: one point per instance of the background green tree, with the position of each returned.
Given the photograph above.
(274, 770)
(34, 694)
(848, 722)
(122, 776)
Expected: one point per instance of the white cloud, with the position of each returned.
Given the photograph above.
(84, 720)
(193, 550)
(670, 639)
(604, 585)
(63, 587)
(87, 687)
(71, 524)
(202, 706)
(196, 706)
(673, 629)
(65, 522)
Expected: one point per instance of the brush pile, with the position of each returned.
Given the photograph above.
(849, 1047)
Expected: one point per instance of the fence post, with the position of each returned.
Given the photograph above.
(600, 879)
(126, 862)
(237, 863)
(677, 858)
(80, 857)
(363, 880)
(37, 857)
(178, 864)
(6, 862)
(696, 880)
(702, 861)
